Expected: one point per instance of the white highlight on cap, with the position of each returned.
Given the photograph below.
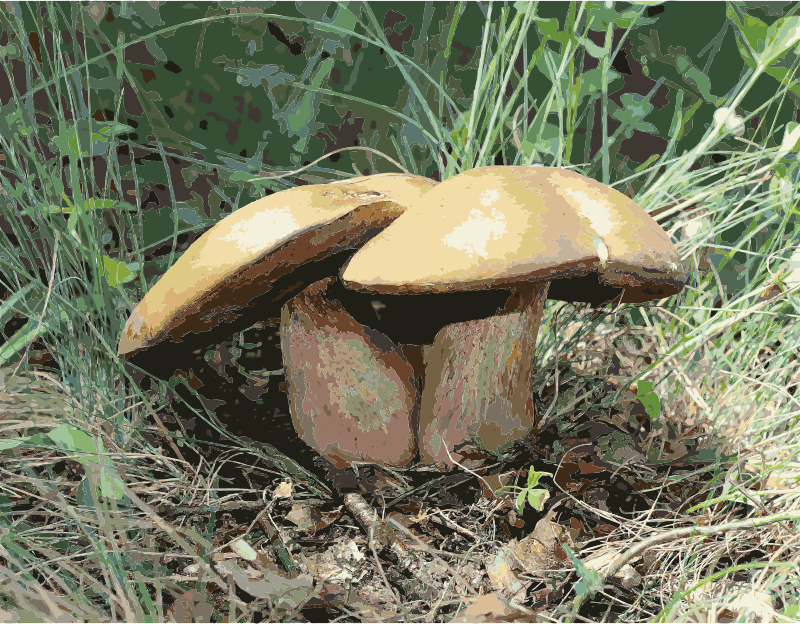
(473, 235)
(489, 197)
(255, 233)
(599, 210)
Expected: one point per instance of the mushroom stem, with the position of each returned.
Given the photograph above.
(352, 394)
(478, 380)
(415, 354)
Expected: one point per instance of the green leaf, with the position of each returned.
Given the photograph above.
(589, 582)
(520, 6)
(651, 404)
(12, 443)
(547, 142)
(634, 109)
(791, 139)
(99, 468)
(77, 138)
(549, 29)
(37, 440)
(548, 63)
(752, 34)
(103, 476)
(28, 300)
(537, 498)
(83, 495)
(73, 439)
(593, 49)
(459, 136)
(648, 398)
(791, 611)
(521, 501)
(591, 82)
(11, 121)
(761, 44)
(106, 478)
(534, 476)
(601, 14)
(92, 204)
(781, 37)
(116, 272)
(695, 76)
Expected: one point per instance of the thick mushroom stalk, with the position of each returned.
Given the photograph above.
(478, 381)
(352, 394)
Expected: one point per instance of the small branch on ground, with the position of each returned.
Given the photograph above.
(677, 534)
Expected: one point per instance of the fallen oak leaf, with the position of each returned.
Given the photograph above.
(493, 607)
(626, 576)
(309, 519)
(541, 550)
(284, 490)
(499, 569)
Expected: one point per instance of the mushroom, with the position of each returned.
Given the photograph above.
(352, 393)
(539, 231)
(247, 267)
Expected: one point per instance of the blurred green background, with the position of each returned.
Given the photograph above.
(211, 94)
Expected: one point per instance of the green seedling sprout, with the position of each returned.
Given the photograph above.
(535, 497)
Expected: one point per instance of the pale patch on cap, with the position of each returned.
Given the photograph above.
(474, 233)
(250, 234)
(601, 210)
(489, 197)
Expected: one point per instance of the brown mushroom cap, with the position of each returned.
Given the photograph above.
(498, 226)
(243, 255)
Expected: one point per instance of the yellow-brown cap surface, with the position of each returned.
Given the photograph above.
(242, 255)
(498, 225)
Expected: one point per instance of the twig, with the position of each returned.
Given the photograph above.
(193, 510)
(368, 519)
(739, 465)
(676, 534)
(472, 472)
(391, 589)
(446, 553)
(426, 548)
(331, 153)
(408, 493)
(276, 540)
(440, 517)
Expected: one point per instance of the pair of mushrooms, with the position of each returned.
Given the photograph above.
(424, 337)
